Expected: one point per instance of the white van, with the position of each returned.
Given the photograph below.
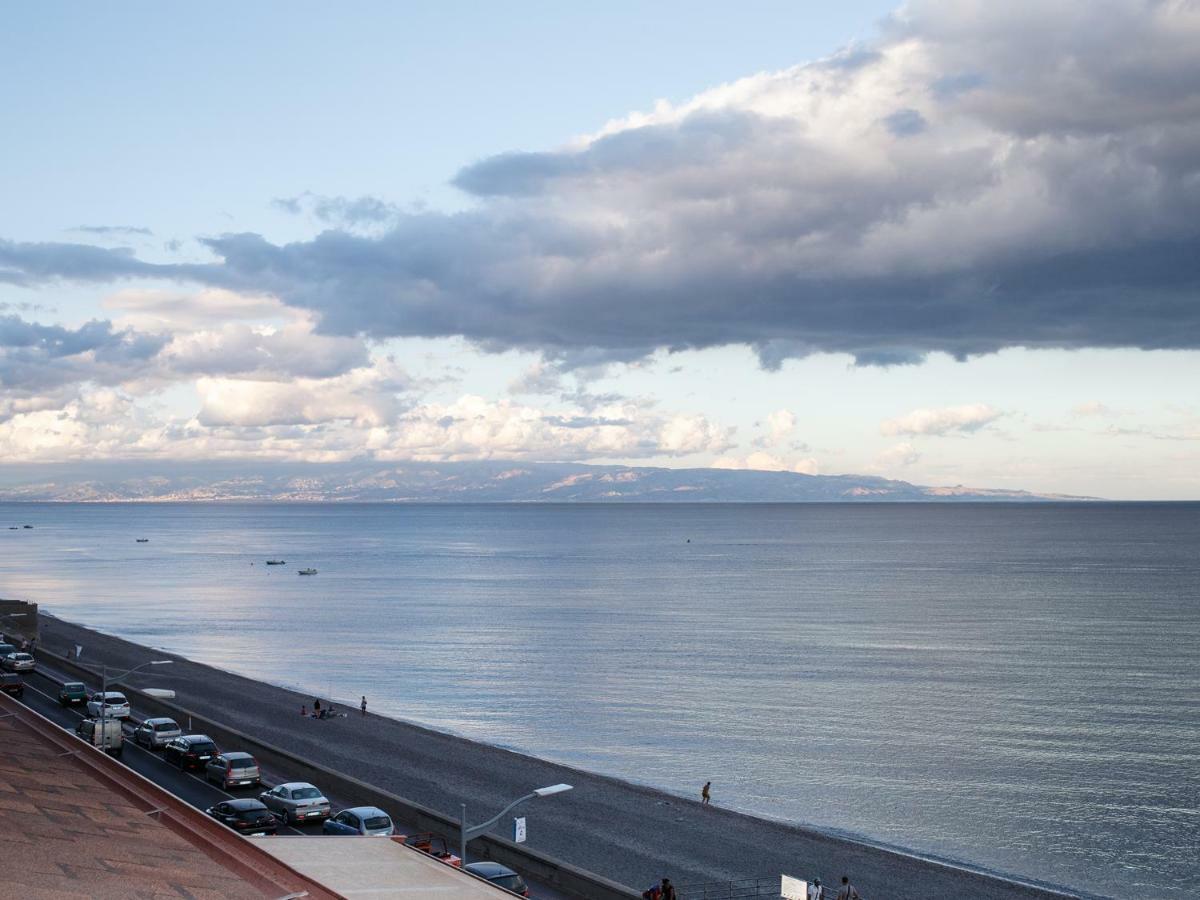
(111, 740)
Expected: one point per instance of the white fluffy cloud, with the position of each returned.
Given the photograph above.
(942, 421)
(766, 462)
(475, 428)
(897, 456)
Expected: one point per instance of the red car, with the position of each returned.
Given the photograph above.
(434, 844)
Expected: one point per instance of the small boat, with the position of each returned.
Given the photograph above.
(143, 540)
(26, 526)
(14, 527)
(307, 572)
(276, 562)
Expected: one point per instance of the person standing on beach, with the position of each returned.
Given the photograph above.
(364, 705)
(848, 891)
(815, 891)
(705, 794)
(667, 891)
(316, 709)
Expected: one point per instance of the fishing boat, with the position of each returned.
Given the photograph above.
(307, 572)
(276, 562)
(143, 540)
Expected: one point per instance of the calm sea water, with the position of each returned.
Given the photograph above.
(1012, 686)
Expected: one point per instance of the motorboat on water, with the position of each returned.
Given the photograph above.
(143, 540)
(307, 572)
(276, 562)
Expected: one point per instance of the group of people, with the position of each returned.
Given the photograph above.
(816, 891)
(328, 712)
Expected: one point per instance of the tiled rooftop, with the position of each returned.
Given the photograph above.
(74, 824)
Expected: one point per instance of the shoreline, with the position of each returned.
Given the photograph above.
(609, 825)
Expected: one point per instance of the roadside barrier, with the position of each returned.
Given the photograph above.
(562, 875)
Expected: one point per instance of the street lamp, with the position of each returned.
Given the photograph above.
(466, 834)
(104, 692)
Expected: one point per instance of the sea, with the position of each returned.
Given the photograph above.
(1012, 686)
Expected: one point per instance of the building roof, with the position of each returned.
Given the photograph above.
(75, 823)
(378, 868)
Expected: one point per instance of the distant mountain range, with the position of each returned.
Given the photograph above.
(464, 482)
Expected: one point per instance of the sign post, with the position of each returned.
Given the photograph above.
(519, 830)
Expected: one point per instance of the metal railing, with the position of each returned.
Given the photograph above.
(765, 886)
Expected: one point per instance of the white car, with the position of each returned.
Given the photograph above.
(19, 662)
(114, 703)
(296, 801)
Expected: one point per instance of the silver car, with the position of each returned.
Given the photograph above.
(296, 801)
(154, 734)
(370, 821)
(117, 707)
(19, 662)
(232, 770)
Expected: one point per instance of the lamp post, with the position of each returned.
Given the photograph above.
(104, 693)
(465, 833)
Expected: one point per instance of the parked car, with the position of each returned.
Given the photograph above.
(19, 662)
(110, 738)
(433, 843)
(245, 816)
(117, 705)
(11, 683)
(6, 648)
(190, 751)
(296, 801)
(232, 770)
(72, 693)
(154, 734)
(370, 821)
(501, 876)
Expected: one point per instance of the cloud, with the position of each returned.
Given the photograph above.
(1092, 408)
(982, 176)
(942, 421)
(365, 210)
(157, 310)
(113, 230)
(897, 456)
(780, 425)
(36, 358)
(766, 462)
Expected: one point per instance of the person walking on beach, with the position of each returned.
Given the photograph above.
(364, 705)
(705, 793)
(815, 891)
(848, 891)
(316, 709)
(667, 891)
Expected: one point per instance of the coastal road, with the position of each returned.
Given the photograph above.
(41, 695)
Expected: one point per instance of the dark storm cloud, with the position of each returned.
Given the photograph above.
(35, 358)
(985, 176)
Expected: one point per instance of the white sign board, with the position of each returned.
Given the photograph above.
(519, 830)
(792, 888)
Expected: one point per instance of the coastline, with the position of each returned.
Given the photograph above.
(630, 833)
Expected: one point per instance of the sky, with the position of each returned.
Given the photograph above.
(951, 243)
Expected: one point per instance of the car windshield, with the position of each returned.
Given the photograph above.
(377, 822)
(241, 764)
(204, 747)
(165, 726)
(73, 686)
(305, 794)
(114, 698)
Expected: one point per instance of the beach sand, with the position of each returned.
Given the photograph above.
(628, 833)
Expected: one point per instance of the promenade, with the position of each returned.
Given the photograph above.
(628, 833)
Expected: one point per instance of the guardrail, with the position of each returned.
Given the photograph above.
(562, 875)
(742, 888)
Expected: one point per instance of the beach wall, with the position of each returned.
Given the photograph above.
(18, 617)
(565, 877)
